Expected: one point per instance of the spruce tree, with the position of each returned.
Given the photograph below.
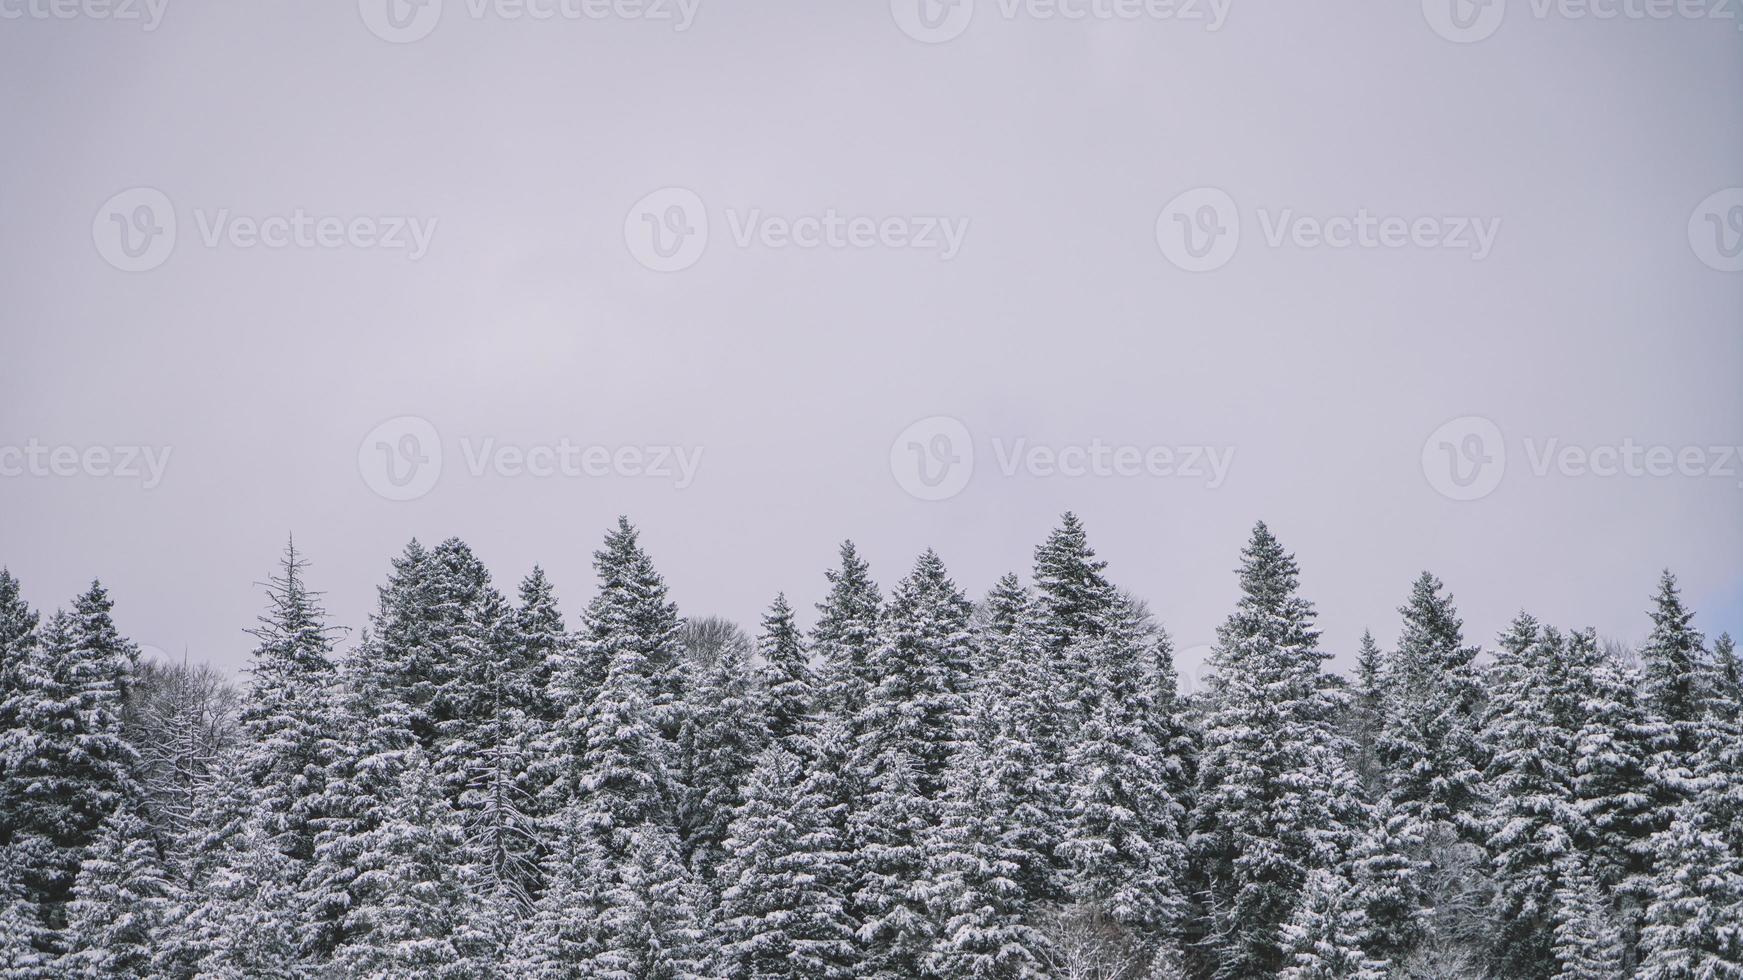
(1427, 739)
(921, 675)
(406, 898)
(1322, 939)
(1122, 844)
(783, 885)
(1016, 720)
(651, 921)
(1533, 819)
(1074, 602)
(243, 921)
(1673, 665)
(1367, 712)
(845, 635)
(1587, 942)
(122, 903)
(977, 856)
(1274, 799)
(1727, 677)
(284, 713)
(788, 687)
(724, 730)
(68, 763)
(631, 620)
(18, 623)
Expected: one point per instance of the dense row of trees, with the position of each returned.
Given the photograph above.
(916, 786)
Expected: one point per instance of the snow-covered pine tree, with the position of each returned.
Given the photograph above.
(1122, 844)
(556, 939)
(912, 721)
(651, 923)
(1388, 880)
(783, 884)
(1613, 788)
(18, 638)
(1275, 800)
(1367, 712)
(724, 730)
(1074, 600)
(976, 861)
(1727, 675)
(631, 619)
(1323, 938)
(1673, 668)
(845, 635)
(406, 897)
(1693, 922)
(1018, 724)
(122, 903)
(1588, 942)
(921, 677)
(26, 944)
(69, 764)
(889, 828)
(1427, 740)
(789, 689)
(1532, 821)
(243, 922)
(284, 714)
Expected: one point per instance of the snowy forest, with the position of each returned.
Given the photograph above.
(905, 783)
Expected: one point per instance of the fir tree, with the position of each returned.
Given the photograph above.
(68, 764)
(1587, 942)
(1367, 712)
(1533, 821)
(18, 623)
(631, 620)
(921, 673)
(976, 863)
(1388, 884)
(1727, 674)
(1274, 800)
(724, 730)
(1122, 842)
(284, 716)
(1322, 939)
(650, 923)
(782, 901)
(1427, 741)
(1672, 663)
(244, 921)
(121, 903)
(845, 635)
(1074, 600)
(788, 687)
(406, 896)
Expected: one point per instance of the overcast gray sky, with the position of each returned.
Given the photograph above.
(1482, 315)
